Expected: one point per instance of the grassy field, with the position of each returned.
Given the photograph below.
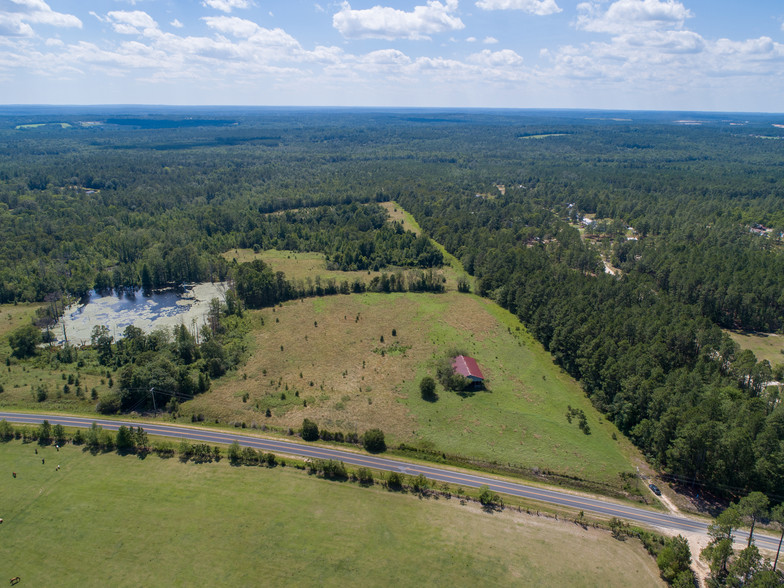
(13, 316)
(121, 521)
(768, 346)
(398, 214)
(324, 359)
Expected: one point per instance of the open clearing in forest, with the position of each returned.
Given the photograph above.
(398, 214)
(324, 359)
(768, 346)
(298, 265)
(304, 266)
(161, 522)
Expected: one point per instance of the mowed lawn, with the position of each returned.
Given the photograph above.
(324, 359)
(108, 520)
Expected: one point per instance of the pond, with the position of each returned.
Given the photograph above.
(165, 309)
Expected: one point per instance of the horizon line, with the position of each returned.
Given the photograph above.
(381, 107)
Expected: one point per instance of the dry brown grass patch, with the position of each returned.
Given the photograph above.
(354, 387)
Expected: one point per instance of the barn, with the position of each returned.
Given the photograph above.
(468, 368)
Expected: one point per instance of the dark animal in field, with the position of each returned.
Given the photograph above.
(15, 581)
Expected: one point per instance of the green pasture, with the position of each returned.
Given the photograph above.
(324, 359)
(111, 520)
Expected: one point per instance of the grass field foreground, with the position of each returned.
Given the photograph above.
(121, 521)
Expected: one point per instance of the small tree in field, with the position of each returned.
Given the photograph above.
(58, 432)
(373, 441)
(44, 433)
(489, 499)
(427, 388)
(24, 341)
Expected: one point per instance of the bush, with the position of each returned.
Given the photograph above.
(488, 498)
(109, 403)
(310, 431)
(125, 441)
(235, 453)
(41, 393)
(329, 468)
(420, 484)
(394, 481)
(6, 431)
(106, 441)
(78, 438)
(250, 456)
(373, 441)
(163, 448)
(365, 476)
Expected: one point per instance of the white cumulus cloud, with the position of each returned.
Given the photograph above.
(384, 22)
(131, 22)
(626, 16)
(16, 16)
(176, 24)
(246, 29)
(505, 57)
(226, 5)
(232, 25)
(537, 7)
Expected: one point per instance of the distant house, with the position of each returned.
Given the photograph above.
(468, 368)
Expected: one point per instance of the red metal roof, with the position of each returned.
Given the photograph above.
(467, 366)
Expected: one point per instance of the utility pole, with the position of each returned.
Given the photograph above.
(152, 391)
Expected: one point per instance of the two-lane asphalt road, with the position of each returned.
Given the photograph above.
(463, 478)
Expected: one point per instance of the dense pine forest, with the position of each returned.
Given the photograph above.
(536, 206)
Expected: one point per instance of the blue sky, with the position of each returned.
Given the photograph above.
(612, 54)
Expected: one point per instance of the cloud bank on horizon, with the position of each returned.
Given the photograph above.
(614, 54)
